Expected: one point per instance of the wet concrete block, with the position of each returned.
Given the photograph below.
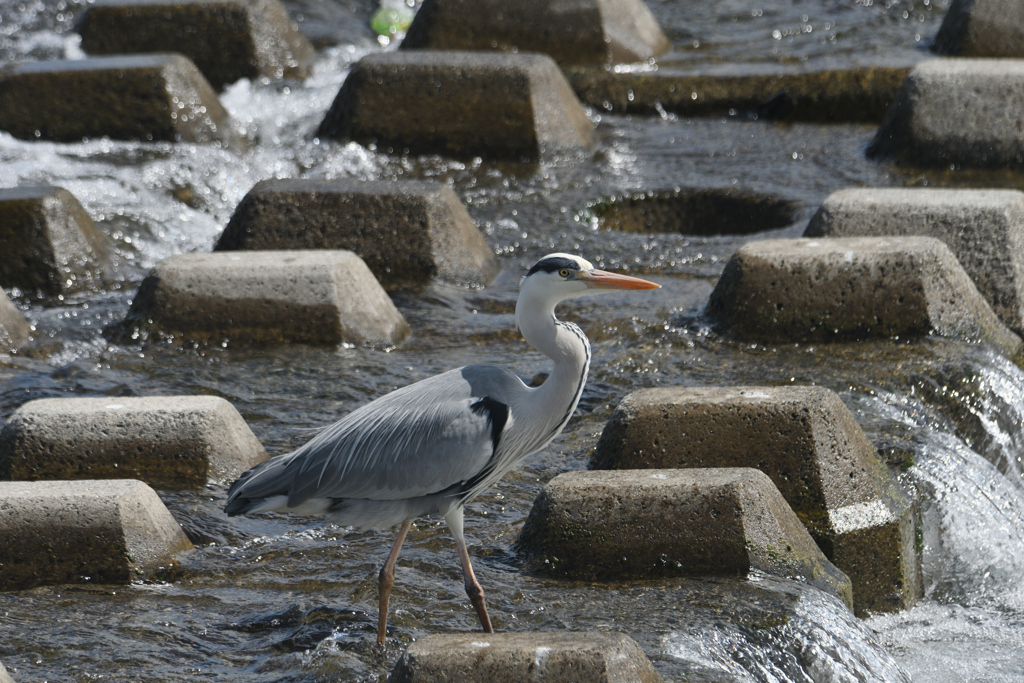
(129, 97)
(641, 524)
(983, 228)
(170, 442)
(807, 441)
(405, 231)
(4, 676)
(226, 39)
(982, 28)
(581, 32)
(92, 531)
(51, 245)
(957, 111)
(265, 297)
(576, 657)
(14, 329)
(462, 104)
(853, 288)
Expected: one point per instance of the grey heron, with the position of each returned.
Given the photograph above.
(433, 446)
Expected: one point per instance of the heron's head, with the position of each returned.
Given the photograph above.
(561, 276)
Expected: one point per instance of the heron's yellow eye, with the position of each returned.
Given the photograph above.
(564, 272)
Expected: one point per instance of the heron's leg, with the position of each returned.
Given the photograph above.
(473, 589)
(387, 580)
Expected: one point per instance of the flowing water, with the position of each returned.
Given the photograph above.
(279, 598)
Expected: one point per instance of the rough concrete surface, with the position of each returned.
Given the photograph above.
(313, 297)
(639, 524)
(127, 97)
(853, 288)
(565, 657)
(14, 329)
(983, 228)
(93, 531)
(808, 443)
(226, 39)
(51, 245)
(463, 104)
(169, 442)
(405, 231)
(579, 32)
(982, 28)
(957, 111)
(4, 676)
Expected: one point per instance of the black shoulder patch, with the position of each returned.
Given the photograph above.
(550, 265)
(497, 415)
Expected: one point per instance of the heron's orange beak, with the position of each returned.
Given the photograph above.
(602, 279)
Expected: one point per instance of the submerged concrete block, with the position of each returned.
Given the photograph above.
(129, 97)
(169, 442)
(226, 39)
(811, 447)
(465, 104)
(983, 228)
(313, 297)
(670, 522)
(575, 657)
(853, 288)
(585, 31)
(50, 243)
(14, 329)
(406, 231)
(93, 531)
(957, 111)
(982, 28)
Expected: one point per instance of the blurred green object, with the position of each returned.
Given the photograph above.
(388, 21)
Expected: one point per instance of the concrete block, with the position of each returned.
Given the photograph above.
(463, 104)
(853, 288)
(226, 39)
(51, 245)
(312, 297)
(129, 97)
(640, 524)
(808, 443)
(982, 28)
(574, 657)
(957, 111)
(580, 32)
(4, 676)
(169, 442)
(93, 531)
(14, 329)
(406, 231)
(983, 228)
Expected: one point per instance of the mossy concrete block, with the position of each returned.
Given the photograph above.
(226, 39)
(983, 228)
(957, 111)
(129, 97)
(4, 676)
(641, 524)
(853, 288)
(170, 442)
(405, 231)
(14, 329)
(463, 104)
(982, 28)
(266, 297)
(51, 245)
(92, 531)
(575, 657)
(579, 32)
(808, 443)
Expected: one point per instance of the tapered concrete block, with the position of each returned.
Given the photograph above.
(464, 104)
(50, 243)
(94, 531)
(811, 447)
(983, 228)
(313, 297)
(576, 657)
(169, 442)
(671, 522)
(406, 232)
(226, 39)
(14, 329)
(129, 97)
(957, 111)
(585, 31)
(982, 28)
(853, 288)
(4, 676)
